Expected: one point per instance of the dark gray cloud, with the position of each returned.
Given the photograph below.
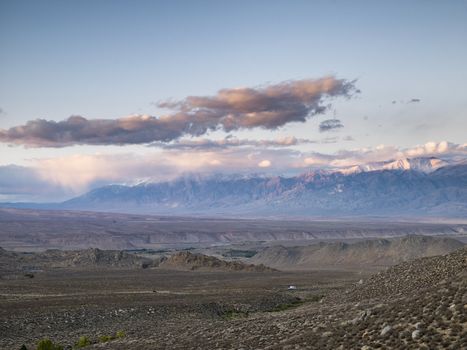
(330, 124)
(414, 100)
(266, 107)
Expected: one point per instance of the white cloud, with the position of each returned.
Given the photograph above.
(264, 163)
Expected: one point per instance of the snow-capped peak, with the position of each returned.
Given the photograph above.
(426, 165)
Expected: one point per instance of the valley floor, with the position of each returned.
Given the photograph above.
(420, 304)
(65, 304)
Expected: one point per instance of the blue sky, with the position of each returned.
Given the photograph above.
(112, 59)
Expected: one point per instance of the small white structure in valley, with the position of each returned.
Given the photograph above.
(292, 287)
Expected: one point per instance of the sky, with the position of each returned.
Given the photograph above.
(98, 92)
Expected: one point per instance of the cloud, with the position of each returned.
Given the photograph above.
(414, 100)
(264, 163)
(346, 158)
(330, 124)
(229, 142)
(437, 148)
(77, 174)
(266, 107)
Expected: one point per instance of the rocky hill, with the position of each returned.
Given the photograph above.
(368, 253)
(190, 261)
(86, 259)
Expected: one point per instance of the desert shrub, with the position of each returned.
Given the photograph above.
(105, 338)
(23, 347)
(120, 334)
(83, 341)
(47, 344)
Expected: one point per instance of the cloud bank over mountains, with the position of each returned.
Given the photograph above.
(66, 176)
(268, 107)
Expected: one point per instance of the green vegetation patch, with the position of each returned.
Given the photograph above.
(105, 338)
(232, 314)
(287, 306)
(47, 344)
(120, 334)
(83, 341)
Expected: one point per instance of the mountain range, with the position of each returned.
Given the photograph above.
(421, 186)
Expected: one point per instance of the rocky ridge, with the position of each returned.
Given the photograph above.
(190, 261)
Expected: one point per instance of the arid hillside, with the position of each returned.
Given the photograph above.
(367, 253)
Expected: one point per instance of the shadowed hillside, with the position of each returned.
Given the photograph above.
(369, 253)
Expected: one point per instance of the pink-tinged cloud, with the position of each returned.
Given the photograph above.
(265, 163)
(266, 107)
(347, 158)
